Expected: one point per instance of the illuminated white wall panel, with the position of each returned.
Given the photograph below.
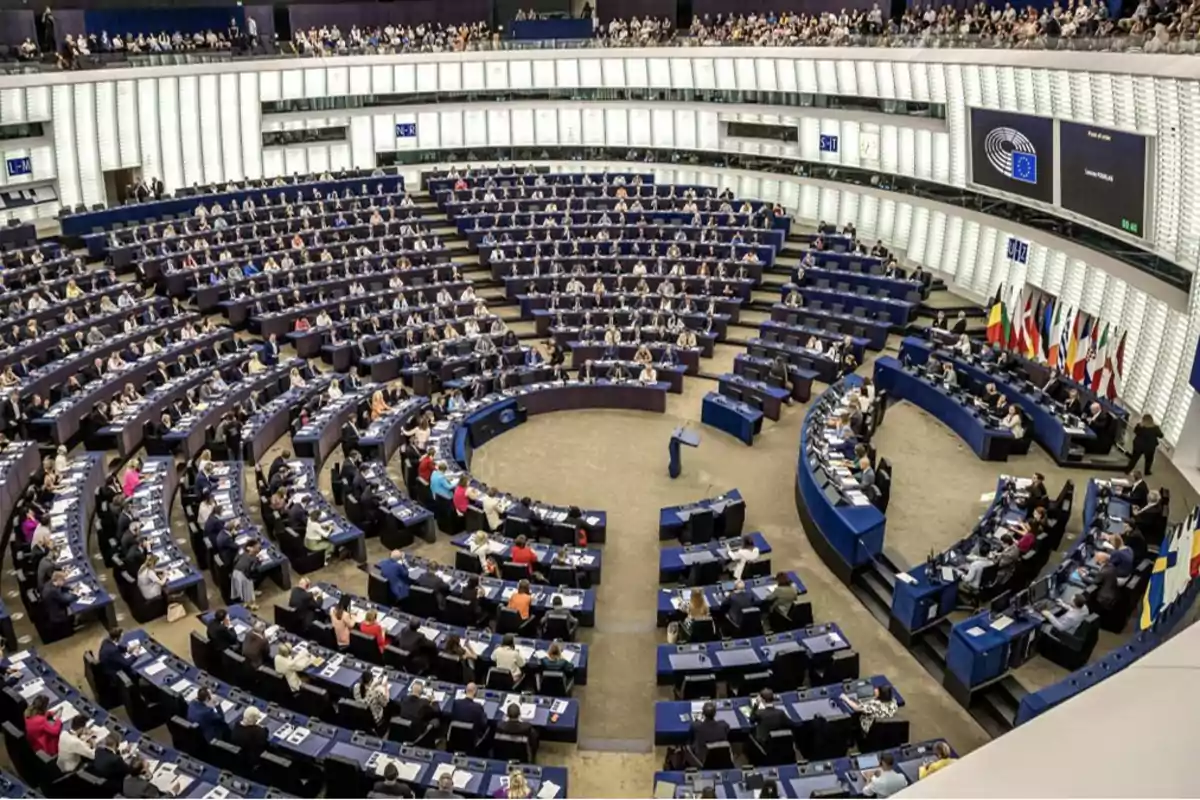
(189, 131)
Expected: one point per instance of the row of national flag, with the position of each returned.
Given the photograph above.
(1043, 328)
(1177, 565)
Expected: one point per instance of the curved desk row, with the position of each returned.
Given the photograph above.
(845, 529)
(228, 493)
(151, 505)
(728, 510)
(481, 641)
(401, 519)
(306, 491)
(1049, 428)
(183, 774)
(322, 434)
(673, 603)
(673, 718)
(675, 562)
(322, 744)
(990, 442)
(582, 560)
(19, 462)
(839, 777)
(274, 418)
(737, 656)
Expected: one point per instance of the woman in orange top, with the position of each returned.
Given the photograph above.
(371, 627)
(379, 406)
(521, 600)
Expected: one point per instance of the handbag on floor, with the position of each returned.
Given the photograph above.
(175, 612)
(673, 633)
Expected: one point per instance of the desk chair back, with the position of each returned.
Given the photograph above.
(778, 749)
(789, 670)
(884, 734)
(696, 687)
(512, 748)
(466, 562)
(186, 737)
(461, 737)
(700, 527)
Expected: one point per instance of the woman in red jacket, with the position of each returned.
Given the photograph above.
(461, 501)
(371, 627)
(42, 727)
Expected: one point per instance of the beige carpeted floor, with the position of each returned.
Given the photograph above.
(618, 461)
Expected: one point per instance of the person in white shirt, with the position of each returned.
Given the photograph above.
(1014, 422)
(290, 664)
(745, 554)
(493, 509)
(648, 374)
(509, 658)
(1068, 622)
(479, 546)
(74, 745)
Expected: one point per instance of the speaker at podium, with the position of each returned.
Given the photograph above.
(681, 436)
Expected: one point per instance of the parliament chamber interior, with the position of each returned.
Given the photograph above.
(358, 358)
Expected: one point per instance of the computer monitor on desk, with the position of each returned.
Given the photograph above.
(833, 494)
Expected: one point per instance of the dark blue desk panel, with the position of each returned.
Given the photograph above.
(846, 536)
(895, 288)
(741, 655)
(873, 330)
(482, 641)
(11, 786)
(228, 492)
(193, 778)
(581, 559)
(177, 678)
(673, 562)
(81, 224)
(802, 333)
(673, 718)
(672, 518)
(843, 775)
(151, 505)
(820, 364)
(990, 443)
(896, 312)
(556, 719)
(306, 491)
(978, 653)
(673, 603)
(737, 419)
(1048, 428)
(770, 398)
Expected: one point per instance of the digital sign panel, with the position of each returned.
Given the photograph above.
(1103, 175)
(1013, 153)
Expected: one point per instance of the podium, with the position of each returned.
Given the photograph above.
(679, 437)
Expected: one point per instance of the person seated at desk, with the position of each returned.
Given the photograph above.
(57, 600)
(643, 356)
(75, 744)
(418, 709)
(1107, 582)
(1014, 421)
(220, 632)
(444, 789)
(410, 639)
(522, 553)
(508, 657)
(697, 610)
(1074, 403)
(375, 692)
(959, 328)
(1120, 558)
(1054, 386)
(439, 484)
(108, 764)
(554, 661)
(746, 553)
(250, 734)
(371, 627)
(794, 299)
(1069, 621)
(560, 614)
(648, 375)
(939, 322)
(112, 658)
(942, 759)
(391, 785)
(705, 731)
(465, 709)
(291, 663)
(395, 572)
(303, 603)
(739, 601)
(887, 780)
(617, 373)
(881, 706)
(205, 711)
(963, 345)
(513, 725)
(949, 376)
(42, 726)
(686, 339)
(255, 647)
(521, 600)
(1104, 425)
(991, 397)
(766, 717)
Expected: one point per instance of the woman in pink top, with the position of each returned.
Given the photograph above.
(132, 478)
(460, 496)
(339, 618)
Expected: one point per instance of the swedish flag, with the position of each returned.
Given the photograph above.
(1171, 573)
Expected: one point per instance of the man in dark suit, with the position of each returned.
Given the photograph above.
(113, 658)
(350, 436)
(431, 580)
(1138, 492)
(465, 709)
(1038, 496)
(57, 600)
(255, 647)
(108, 763)
(279, 463)
(739, 601)
(513, 725)
(421, 651)
(418, 709)
(395, 572)
(960, 324)
(303, 604)
(297, 517)
(766, 717)
(705, 732)
(1104, 425)
(205, 712)
(220, 632)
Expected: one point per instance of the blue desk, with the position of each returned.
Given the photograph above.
(673, 661)
(877, 285)
(1118, 510)
(754, 392)
(151, 505)
(675, 562)
(581, 559)
(958, 411)
(1048, 427)
(174, 678)
(194, 778)
(842, 775)
(545, 29)
(735, 418)
(896, 312)
(874, 331)
(228, 493)
(306, 491)
(482, 641)
(679, 437)
(846, 536)
(11, 786)
(673, 718)
(729, 512)
(556, 719)
(580, 602)
(403, 519)
(978, 653)
(672, 603)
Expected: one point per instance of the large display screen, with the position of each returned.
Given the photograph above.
(1013, 153)
(1103, 175)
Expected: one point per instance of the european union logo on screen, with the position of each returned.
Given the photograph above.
(1024, 167)
(20, 166)
(829, 143)
(406, 130)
